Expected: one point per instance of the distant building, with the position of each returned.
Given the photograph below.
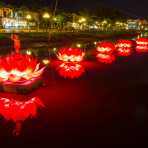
(11, 19)
(22, 14)
(31, 18)
(12, 23)
(143, 24)
(132, 24)
(6, 12)
(138, 24)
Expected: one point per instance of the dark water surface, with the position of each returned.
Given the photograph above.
(108, 105)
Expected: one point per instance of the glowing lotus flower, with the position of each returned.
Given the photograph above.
(142, 45)
(105, 47)
(124, 47)
(70, 54)
(70, 70)
(19, 68)
(18, 111)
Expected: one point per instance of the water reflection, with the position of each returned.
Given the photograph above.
(18, 111)
(70, 70)
(105, 58)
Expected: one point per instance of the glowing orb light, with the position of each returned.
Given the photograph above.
(70, 70)
(105, 58)
(45, 61)
(124, 47)
(28, 52)
(70, 54)
(19, 70)
(105, 47)
(142, 45)
(18, 111)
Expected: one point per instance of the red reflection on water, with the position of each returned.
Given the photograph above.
(18, 111)
(70, 70)
(17, 44)
(124, 47)
(105, 58)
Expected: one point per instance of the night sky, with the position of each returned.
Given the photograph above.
(135, 8)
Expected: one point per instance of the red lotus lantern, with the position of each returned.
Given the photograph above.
(105, 52)
(142, 45)
(18, 71)
(18, 111)
(70, 66)
(105, 47)
(71, 70)
(70, 54)
(124, 47)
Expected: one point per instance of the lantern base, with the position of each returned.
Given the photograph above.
(23, 87)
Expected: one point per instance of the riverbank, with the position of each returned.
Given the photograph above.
(50, 40)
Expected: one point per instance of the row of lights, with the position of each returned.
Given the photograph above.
(46, 15)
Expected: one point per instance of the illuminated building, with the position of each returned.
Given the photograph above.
(6, 12)
(132, 25)
(12, 23)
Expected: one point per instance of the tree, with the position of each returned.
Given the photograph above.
(2, 4)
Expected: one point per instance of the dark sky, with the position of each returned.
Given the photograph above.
(132, 7)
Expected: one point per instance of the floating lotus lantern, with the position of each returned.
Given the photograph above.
(70, 54)
(71, 59)
(142, 45)
(124, 47)
(19, 72)
(18, 111)
(105, 47)
(105, 52)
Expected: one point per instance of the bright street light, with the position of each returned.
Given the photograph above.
(28, 17)
(82, 20)
(46, 15)
(55, 19)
